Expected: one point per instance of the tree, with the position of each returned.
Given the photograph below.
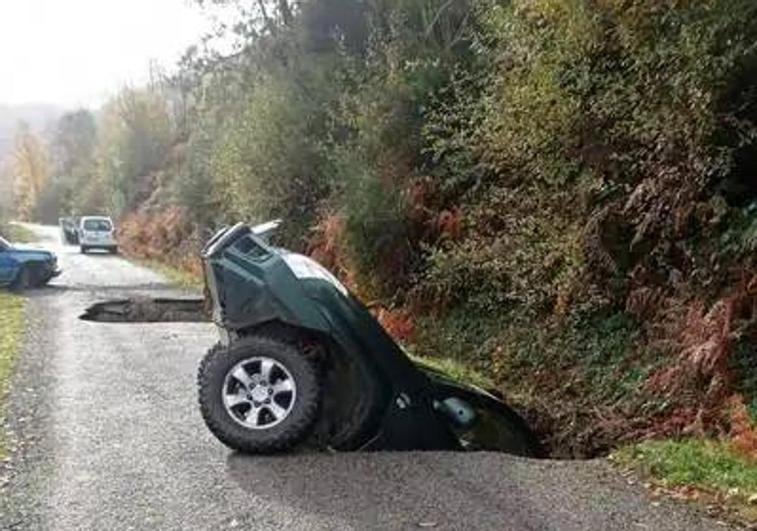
(135, 134)
(31, 171)
(72, 153)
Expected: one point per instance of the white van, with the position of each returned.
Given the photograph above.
(97, 232)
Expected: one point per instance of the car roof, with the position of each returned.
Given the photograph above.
(97, 218)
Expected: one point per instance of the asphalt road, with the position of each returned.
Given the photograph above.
(107, 435)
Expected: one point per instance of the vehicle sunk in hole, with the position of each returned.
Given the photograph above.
(302, 362)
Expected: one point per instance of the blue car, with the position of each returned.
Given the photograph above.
(22, 267)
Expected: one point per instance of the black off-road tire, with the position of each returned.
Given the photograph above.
(293, 430)
(38, 278)
(83, 249)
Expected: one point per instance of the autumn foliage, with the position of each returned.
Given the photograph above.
(166, 236)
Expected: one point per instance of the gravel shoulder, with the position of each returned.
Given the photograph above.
(107, 435)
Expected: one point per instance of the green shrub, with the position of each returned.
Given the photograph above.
(740, 236)
(517, 250)
(267, 164)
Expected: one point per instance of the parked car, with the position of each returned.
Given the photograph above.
(24, 267)
(97, 232)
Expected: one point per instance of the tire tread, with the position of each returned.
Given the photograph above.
(223, 428)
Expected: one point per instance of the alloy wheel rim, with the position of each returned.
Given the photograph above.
(259, 393)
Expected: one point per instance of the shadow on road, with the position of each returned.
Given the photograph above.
(387, 490)
(345, 487)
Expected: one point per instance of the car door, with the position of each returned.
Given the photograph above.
(8, 264)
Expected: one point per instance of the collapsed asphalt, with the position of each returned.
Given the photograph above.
(148, 310)
(107, 435)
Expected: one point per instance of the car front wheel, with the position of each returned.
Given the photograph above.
(24, 278)
(258, 395)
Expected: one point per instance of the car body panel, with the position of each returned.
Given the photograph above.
(251, 283)
(69, 228)
(14, 257)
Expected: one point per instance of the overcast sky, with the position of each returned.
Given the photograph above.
(75, 52)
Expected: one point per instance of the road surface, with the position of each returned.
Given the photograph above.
(107, 435)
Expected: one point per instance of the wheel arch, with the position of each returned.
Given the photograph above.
(355, 394)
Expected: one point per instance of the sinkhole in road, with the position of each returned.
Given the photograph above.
(187, 310)
(148, 310)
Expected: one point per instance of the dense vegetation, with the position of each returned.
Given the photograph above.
(559, 193)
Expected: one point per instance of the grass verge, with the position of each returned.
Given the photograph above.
(697, 469)
(182, 278)
(16, 233)
(11, 332)
(455, 370)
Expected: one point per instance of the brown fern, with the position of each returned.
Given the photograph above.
(743, 431)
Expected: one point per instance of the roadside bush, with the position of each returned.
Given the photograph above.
(267, 163)
(515, 252)
(377, 233)
(376, 142)
(624, 101)
(595, 169)
(167, 236)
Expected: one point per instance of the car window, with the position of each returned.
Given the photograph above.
(97, 225)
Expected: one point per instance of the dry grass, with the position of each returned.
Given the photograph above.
(16, 233)
(701, 342)
(165, 241)
(700, 470)
(11, 334)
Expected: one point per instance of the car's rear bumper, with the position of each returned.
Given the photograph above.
(104, 244)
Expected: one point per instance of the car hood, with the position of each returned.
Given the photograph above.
(28, 249)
